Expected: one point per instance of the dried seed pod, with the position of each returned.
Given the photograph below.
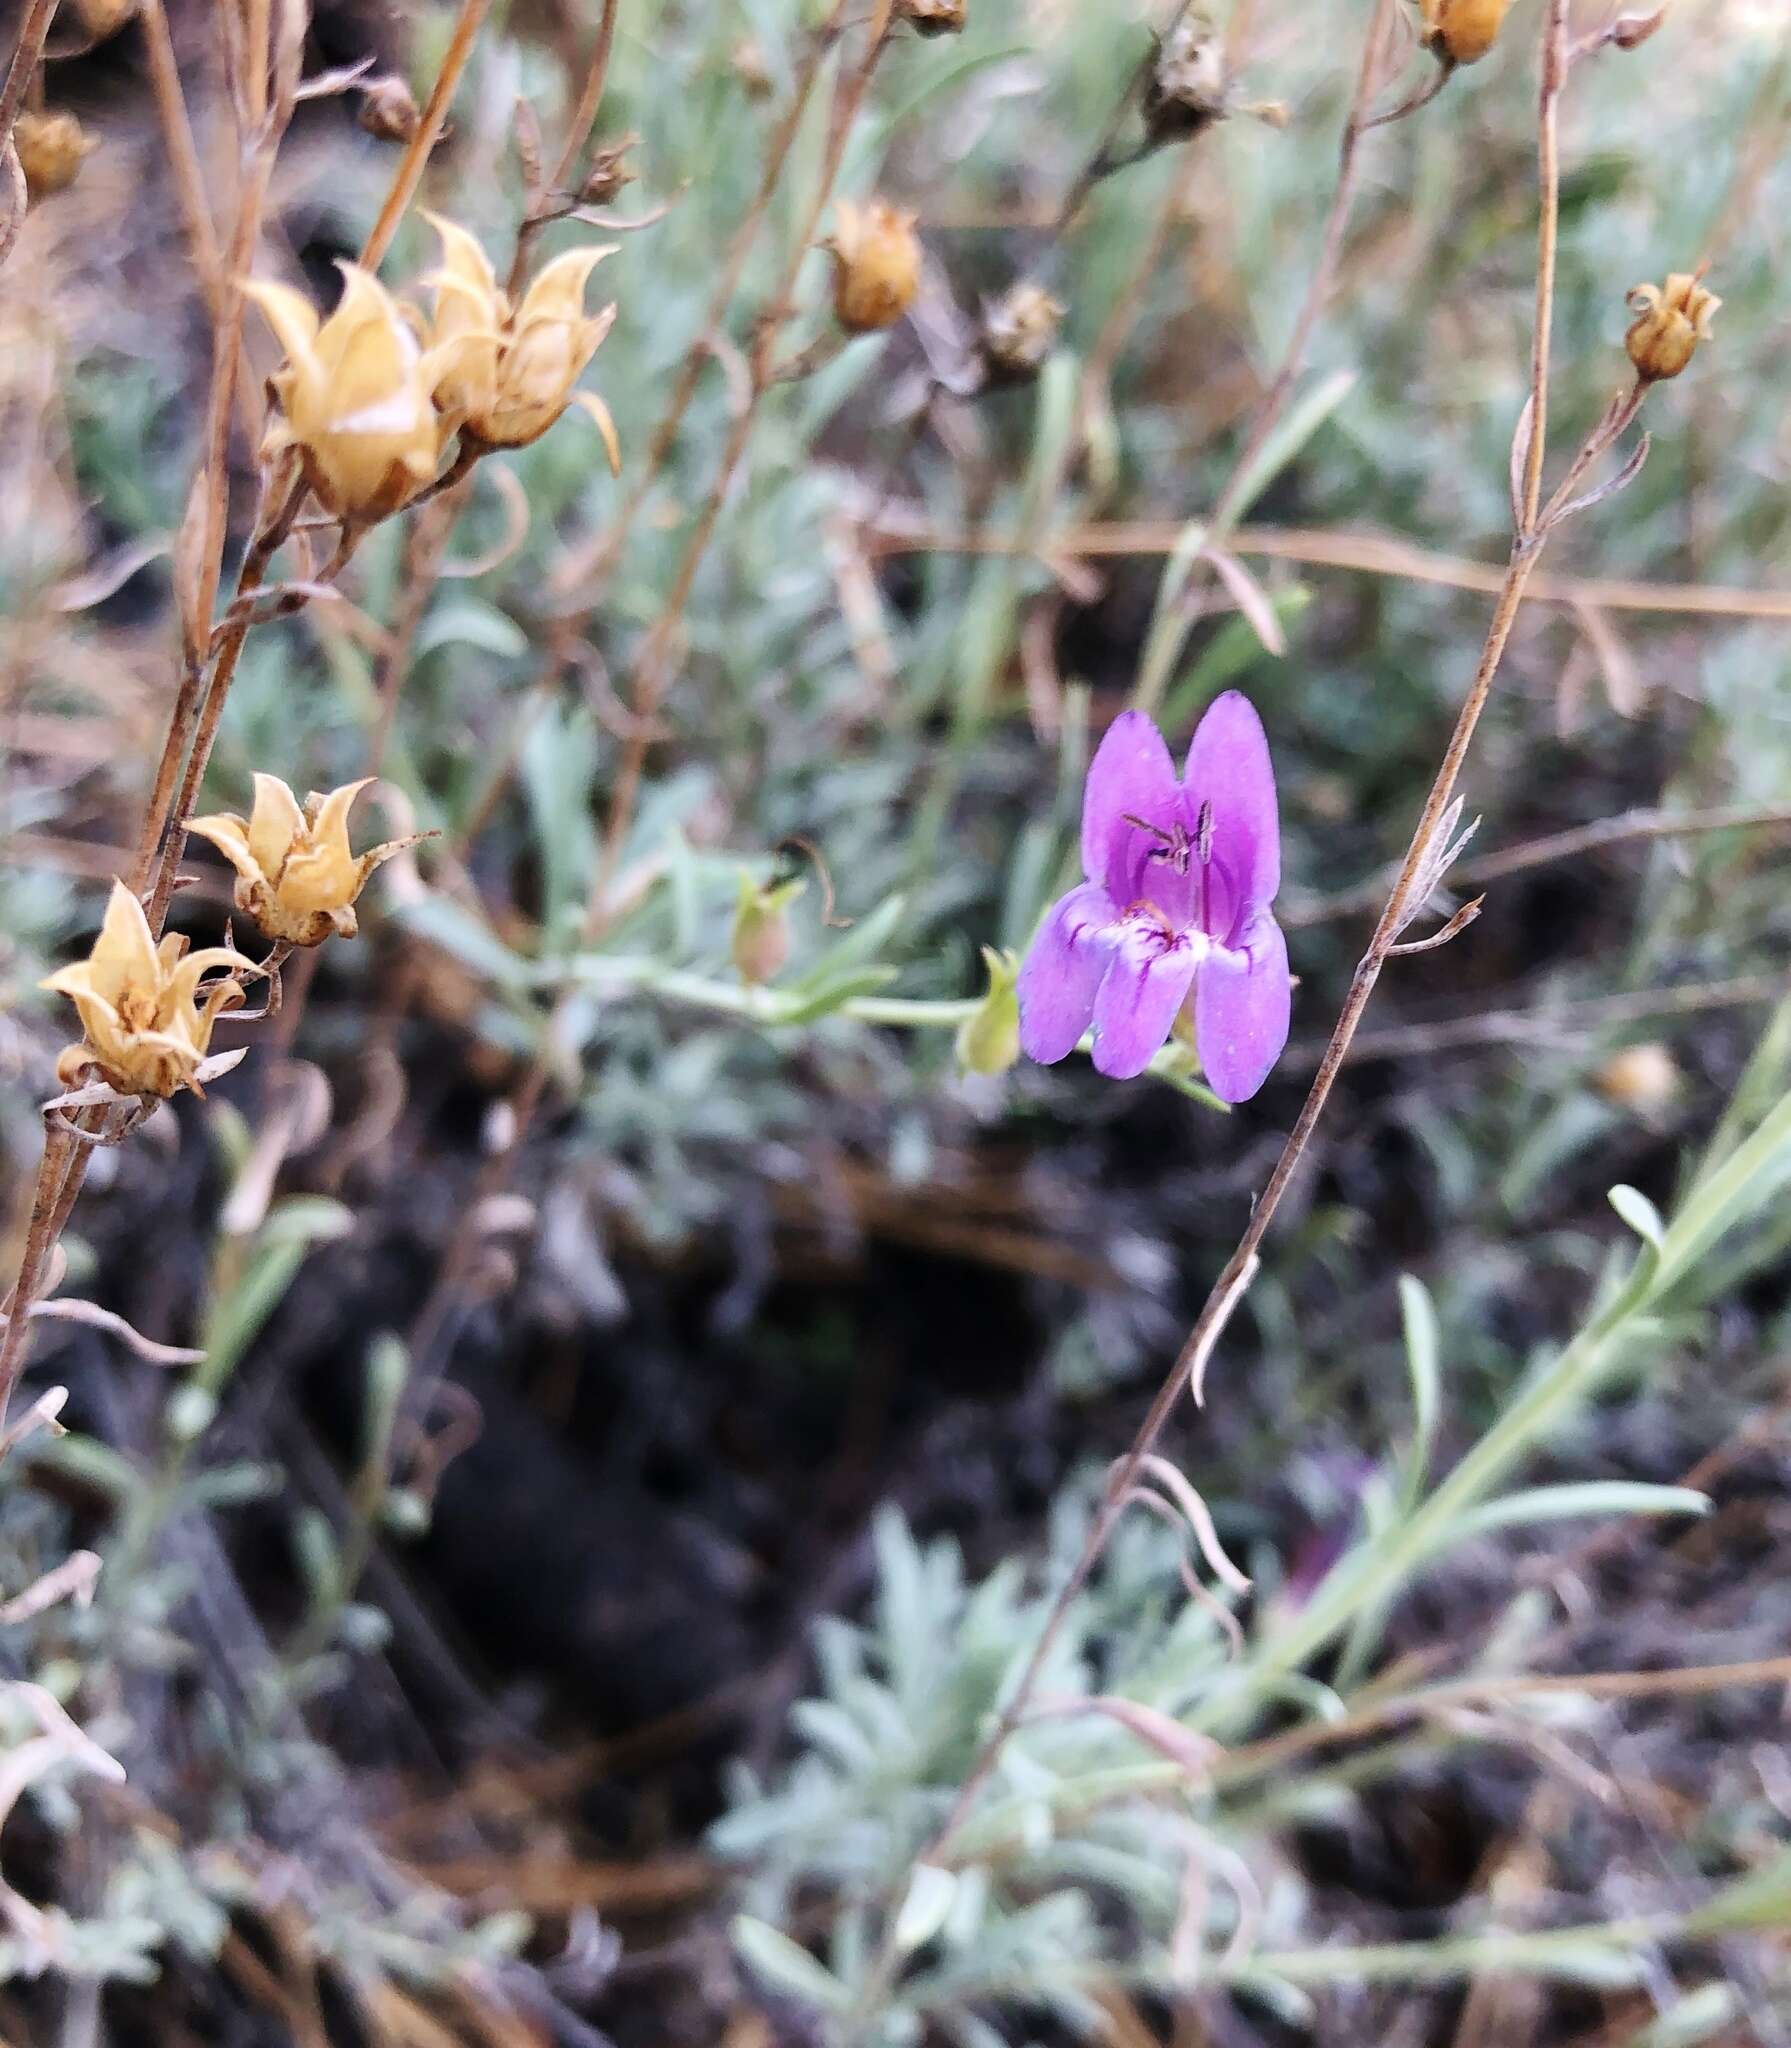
(1670, 321)
(935, 17)
(1462, 31)
(295, 875)
(876, 256)
(148, 1027)
(513, 368)
(52, 148)
(609, 172)
(1644, 1078)
(1185, 91)
(102, 18)
(1019, 331)
(389, 109)
(357, 396)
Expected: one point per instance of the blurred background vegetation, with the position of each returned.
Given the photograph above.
(519, 1475)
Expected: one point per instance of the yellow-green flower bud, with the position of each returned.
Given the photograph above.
(760, 944)
(989, 1038)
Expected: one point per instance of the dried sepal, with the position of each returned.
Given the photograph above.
(876, 259)
(1019, 330)
(934, 17)
(515, 368)
(389, 109)
(295, 874)
(52, 148)
(357, 396)
(1671, 320)
(148, 1025)
(1462, 31)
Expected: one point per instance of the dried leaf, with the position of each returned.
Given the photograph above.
(1251, 599)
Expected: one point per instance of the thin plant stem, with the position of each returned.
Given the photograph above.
(26, 55)
(651, 675)
(1623, 829)
(581, 566)
(40, 1241)
(1565, 1023)
(183, 154)
(1371, 554)
(429, 127)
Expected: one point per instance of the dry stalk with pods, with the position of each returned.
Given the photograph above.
(368, 420)
(1669, 323)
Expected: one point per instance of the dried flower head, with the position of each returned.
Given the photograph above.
(759, 944)
(1186, 88)
(52, 148)
(295, 875)
(514, 368)
(876, 264)
(1019, 331)
(1462, 31)
(1670, 321)
(389, 109)
(1181, 872)
(989, 1038)
(935, 17)
(357, 396)
(147, 1025)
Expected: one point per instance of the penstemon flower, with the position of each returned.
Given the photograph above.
(1180, 878)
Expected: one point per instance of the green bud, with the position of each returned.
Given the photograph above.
(989, 1038)
(761, 939)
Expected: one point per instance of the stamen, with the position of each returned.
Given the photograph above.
(1204, 833)
(1144, 825)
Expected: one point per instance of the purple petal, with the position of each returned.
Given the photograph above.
(1131, 772)
(1063, 969)
(1242, 1002)
(1138, 998)
(1229, 767)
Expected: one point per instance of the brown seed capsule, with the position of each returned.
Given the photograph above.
(935, 17)
(876, 256)
(52, 149)
(1462, 31)
(1185, 91)
(389, 109)
(1670, 322)
(1019, 331)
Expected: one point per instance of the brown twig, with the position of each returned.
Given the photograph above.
(183, 154)
(409, 173)
(1329, 548)
(1564, 1021)
(1620, 830)
(26, 55)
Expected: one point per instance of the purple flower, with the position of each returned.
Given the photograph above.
(1180, 878)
